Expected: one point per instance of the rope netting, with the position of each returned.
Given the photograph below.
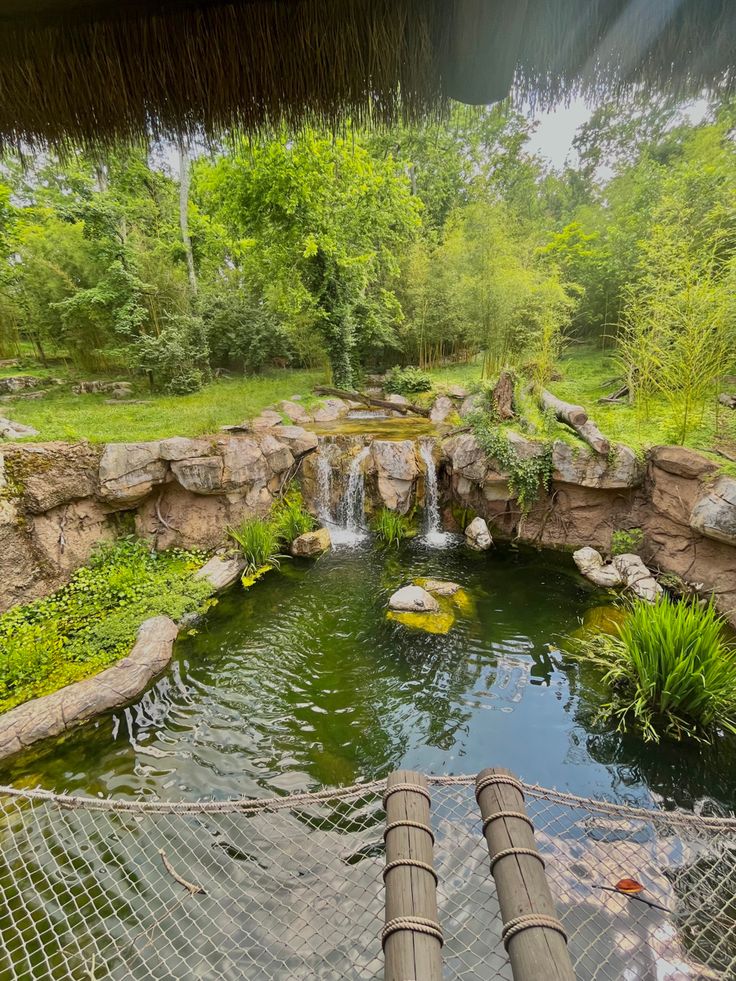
(292, 887)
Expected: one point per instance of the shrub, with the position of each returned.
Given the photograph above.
(627, 542)
(258, 540)
(407, 381)
(670, 670)
(391, 528)
(290, 518)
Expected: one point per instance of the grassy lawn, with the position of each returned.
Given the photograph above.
(64, 416)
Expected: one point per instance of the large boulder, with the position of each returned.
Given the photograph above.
(478, 536)
(311, 544)
(15, 430)
(396, 467)
(330, 410)
(413, 599)
(221, 571)
(295, 412)
(715, 514)
(129, 471)
(268, 419)
(579, 465)
(442, 409)
(298, 440)
(591, 565)
(278, 454)
(681, 462)
(244, 463)
(50, 474)
(467, 458)
(200, 475)
(181, 448)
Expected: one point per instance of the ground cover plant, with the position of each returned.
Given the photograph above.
(93, 620)
(261, 540)
(670, 671)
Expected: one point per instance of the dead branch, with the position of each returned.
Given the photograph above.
(191, 887)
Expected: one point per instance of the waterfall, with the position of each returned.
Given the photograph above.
(352, 506)
(324, 487)
(433, 534)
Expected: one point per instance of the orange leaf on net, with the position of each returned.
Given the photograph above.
(630, 886)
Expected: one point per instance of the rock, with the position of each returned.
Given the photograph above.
(591, 565)
(637, 577)
(51, 715)
(180, 448)
(578, 465)
(296, 413)
(278, 455)
(469, 404)
(15, 430)
(221, 572)
(200, 475)
(525, 449)
(681, 462)
(330, 410)
(467, 458)
(457, 392)
(129, 471)
(440, 587)
(442, 409)
(266, 420)
(19, 382)
(311, 544)
(413, 599)
(477, 535)
(715, 514)
(244, 463)
(396, 467)
(298, 440)
(52, 474)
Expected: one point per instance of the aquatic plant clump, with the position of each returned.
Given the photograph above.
(93, 620)
(391, 528)
(258, 541)
(670, 670)
(290, 517)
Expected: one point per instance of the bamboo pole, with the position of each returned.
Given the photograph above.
(412, 937)
(532, 934)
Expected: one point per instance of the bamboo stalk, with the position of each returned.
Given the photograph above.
(533, 936)
(412, 937)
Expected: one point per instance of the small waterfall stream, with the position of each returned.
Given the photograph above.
(347, 526)
(433, 533)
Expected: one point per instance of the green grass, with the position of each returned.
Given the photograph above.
(391, 528)
(64, 416)
(93, 620)
(290, 518)
(670, 671)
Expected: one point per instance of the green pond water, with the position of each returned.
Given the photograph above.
(302, 682)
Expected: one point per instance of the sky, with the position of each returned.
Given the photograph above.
(556, 129)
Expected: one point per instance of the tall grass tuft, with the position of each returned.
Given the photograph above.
(391, 528)
(290, 518)
(258, 541)
(671, 671)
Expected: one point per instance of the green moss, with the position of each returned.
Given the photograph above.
(430, 623)
(93, 620)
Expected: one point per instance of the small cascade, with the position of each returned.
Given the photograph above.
(352, 507)
(433, 533)
(324, 490)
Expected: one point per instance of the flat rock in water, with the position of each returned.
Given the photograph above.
(439, 587)
(591, 565)
(413, 599)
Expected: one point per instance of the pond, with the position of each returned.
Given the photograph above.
(302, 682)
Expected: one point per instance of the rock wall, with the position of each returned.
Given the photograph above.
(57, 500)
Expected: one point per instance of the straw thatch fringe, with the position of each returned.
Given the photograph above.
(79, 72)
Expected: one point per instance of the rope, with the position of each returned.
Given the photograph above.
(416, 924)
(495, 778)
(516, 851)
(519, 815)
(409, 788)
(415, 864)
(406, 823)
(527, 922)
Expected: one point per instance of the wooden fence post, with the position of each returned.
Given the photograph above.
(532, 934)
(412, 937)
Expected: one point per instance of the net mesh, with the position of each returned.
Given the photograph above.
(292, 887)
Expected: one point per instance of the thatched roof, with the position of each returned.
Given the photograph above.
(96, 70)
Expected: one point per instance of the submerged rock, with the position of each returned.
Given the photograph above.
(477, 535)
(591, 565)
(431, 623)
(311, 544)
(413, 599)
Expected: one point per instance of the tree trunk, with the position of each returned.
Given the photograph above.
(576, 417)
(342, 393)
(503, 396)
(184, 212)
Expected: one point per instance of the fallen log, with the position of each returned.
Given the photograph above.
(403, 408)
(577, 419)
(616, 396)
(728, 400)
